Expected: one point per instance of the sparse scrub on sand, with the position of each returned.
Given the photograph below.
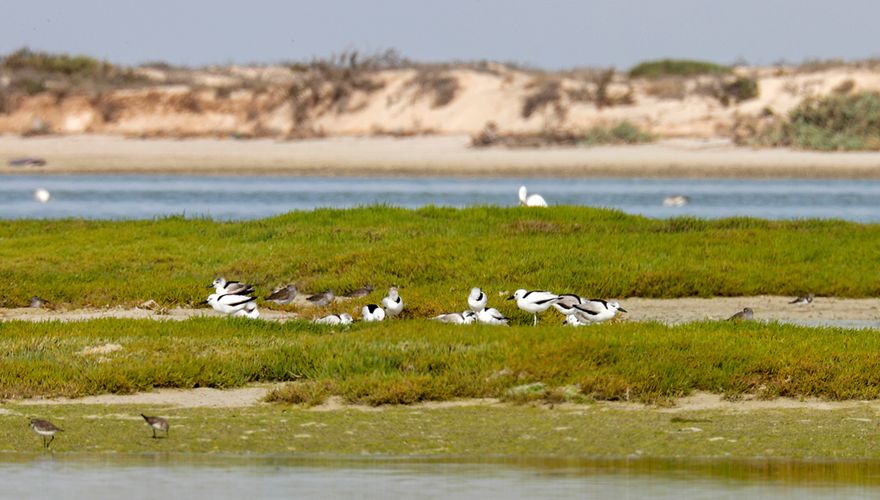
(838, 122)
(545, 93)
(729, 90)
(676, 67)
(441, 86)
(404, 362)
(439, 253)
(621, 133)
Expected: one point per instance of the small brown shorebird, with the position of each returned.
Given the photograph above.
(322, 299)
(156, 424)
(745, 315)
(360, 292)
(45, 429)
(282, 296)
(38, 302)
(803, 300)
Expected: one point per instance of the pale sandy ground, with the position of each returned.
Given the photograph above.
(828, 310)
(430, 155)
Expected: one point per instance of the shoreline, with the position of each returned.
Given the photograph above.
(424, 156)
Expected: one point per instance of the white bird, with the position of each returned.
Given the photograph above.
(42, 195)
(575, 320)
(534, 301)
(534, 200)
(230, 303)
(676, 201)
(223, 287)
(597, 310)
(393, 304)
(372, 312)
(491, 316)
(477, 300)
(250, 311)
(335, 319)
(566, 303)
(462, 318)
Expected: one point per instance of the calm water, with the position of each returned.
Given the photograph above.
(144, 197)
(114, 477)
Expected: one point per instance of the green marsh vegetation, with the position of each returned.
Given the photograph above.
(404, 362)
(435, 255)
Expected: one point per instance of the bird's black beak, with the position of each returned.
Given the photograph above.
(210, 286)
(511, 297)
(621, 309)
(203, 302)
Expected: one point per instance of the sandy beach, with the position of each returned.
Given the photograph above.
(423, 156)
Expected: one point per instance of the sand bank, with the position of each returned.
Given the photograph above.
(423, 156)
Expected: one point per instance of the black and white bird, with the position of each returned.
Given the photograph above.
(745, 315)
(372, 312)
(229, 303)
(392, 303)
(157, 424)
(359, 292)
(45, 429)
(803, 300)
(249, 311)
(527, 200)
(566, 303)
(597, 310)
(223, 287)
(576, 319)
(335, 319)
(491, 316)
(477, 300)
(462, 318)
(534, 301)
(322, 299)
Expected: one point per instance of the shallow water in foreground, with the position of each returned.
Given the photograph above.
(107, 476)
(233, 198)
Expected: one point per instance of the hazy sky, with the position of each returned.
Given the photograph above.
(545, 33)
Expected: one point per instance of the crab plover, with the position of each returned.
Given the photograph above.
(597, 310)
(335, 319)
(491, 316)
(223, 287)
(393, 304)
(45, 429)
(462, 318)
(566, 303)
(372, 312)
(534, 301)
(229, 304)
(156, 424)
(477, 300)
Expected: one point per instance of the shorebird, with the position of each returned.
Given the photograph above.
(566, 303)
(37, 302)
(322, 299)
(157, 424)
(676, 201)
(597, 310)
(360, 292)
(249, 311)
(491, 316)
(282, 296)
(462, 318)
(745, 315)
(335, 319)
(803, 300)
(45, 428)
(42, 195)
(372, 312)
(477, 300)
(575, 319)
(534, 301)
(393, 304)
(229, 304)
(534, 200)
(223, 287)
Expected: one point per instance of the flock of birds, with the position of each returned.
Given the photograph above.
(46, 429)
(235, 298)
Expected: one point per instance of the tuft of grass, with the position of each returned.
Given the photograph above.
(77, 65)
(405, 362)
(676, 67)
(622, 133)
(837, 122)
(439, 253)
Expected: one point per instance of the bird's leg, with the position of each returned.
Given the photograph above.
(154, 432)
(44, 441)
(536, 319)
(51, 438)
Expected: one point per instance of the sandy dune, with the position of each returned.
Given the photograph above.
(423, 156)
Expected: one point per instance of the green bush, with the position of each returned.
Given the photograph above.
(55, 63)
(676, 67)
(622, 133)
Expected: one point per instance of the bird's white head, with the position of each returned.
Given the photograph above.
(518, 294)
(212, 299)
(522, 194)
(392, 292)
(475, 293)
(615, 306)
(221, 282)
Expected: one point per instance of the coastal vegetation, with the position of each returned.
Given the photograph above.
(411, 361)
(435, 255)
(676, 67)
